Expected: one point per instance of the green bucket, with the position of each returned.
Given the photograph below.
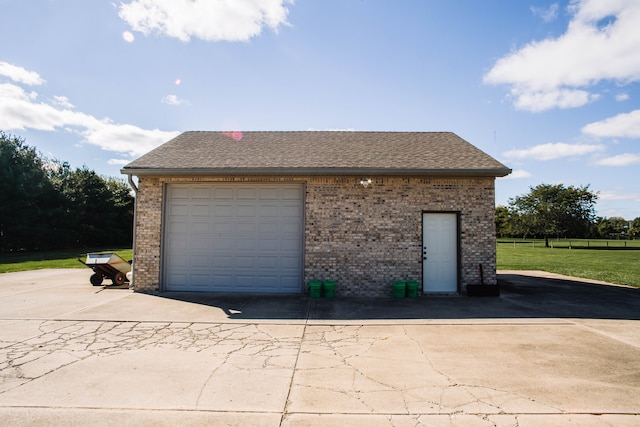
(399, 289)
(329, 287)
(315, 288)
(412, 289)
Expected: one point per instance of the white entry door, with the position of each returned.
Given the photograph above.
(440, 253)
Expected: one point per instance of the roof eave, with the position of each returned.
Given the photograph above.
(494, 172)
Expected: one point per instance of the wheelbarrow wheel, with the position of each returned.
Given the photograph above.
(96, 279)
(119, 278)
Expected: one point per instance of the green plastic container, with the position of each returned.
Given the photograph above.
(412, 289)
(315, 288)
(329, 287)
(399, 289)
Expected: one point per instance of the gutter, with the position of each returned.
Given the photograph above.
(311, 171)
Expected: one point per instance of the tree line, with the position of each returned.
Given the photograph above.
(48, 205)
(550, 211)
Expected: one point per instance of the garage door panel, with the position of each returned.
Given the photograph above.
(177, 226)
(234, 237)
(179, 193)
(290, 263)
(221, 193)
(199, 244)
(245, 261)
(268, 244)
(221, 280)
(201, 193)
(290, 245)
(223, 211)
(200, 280)
(245, 227)
(269, 283)
(177, 262)
(293, 193)
(268, 211)
(289, 282)
(201, 210)
(269, 194)
(176, 244)
(290, 211)
(179, 210)
(290, 227)
(246, 282)
(268, 262)
(244, 245)
(201, 228)
(219, 262)
(246, 193)
(220, 226)
(267, 228)
(247, 211)
(223, 244)
(199, 261)
(176, 279)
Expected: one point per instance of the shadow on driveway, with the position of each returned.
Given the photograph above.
(521, 296)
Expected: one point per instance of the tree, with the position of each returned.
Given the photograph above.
(101, 209)
(502, 221)
(45, 204)
(554, 210)
(28, 198)
(634, 228)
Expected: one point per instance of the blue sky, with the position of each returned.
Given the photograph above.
(550, 88)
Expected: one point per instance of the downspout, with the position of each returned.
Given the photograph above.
(135, 220)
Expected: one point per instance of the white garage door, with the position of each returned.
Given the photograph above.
(233, 238)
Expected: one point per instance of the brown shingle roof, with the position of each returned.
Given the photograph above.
(317, 152)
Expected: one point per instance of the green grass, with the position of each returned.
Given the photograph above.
(24, 261)
(614, 266)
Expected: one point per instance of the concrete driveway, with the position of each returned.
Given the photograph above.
(548, 351)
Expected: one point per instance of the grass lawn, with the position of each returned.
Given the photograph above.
(23, 261)
(614, 265)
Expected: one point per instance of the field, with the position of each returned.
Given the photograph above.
(23, 261)
(607, 260)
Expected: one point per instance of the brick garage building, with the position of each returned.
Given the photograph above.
(266, 212)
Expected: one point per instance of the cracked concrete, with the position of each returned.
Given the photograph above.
(71, 354)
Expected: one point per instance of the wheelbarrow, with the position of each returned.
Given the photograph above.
(109, 265)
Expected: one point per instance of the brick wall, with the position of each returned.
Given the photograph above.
(362, 237)
(146, 254)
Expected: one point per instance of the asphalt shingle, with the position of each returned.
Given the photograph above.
(317, 152)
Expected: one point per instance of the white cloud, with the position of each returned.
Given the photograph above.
(626, 125)
(626, 159)
(622, 97)
(599, 44)
(542, 100)
(125, 138)
(118, 162)
(19, 74)
(551, 151)
(518, 174)
(62, 101)
(21, 110)
(174, 100)
(614, 196)
(210, 20)
(547, 15)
